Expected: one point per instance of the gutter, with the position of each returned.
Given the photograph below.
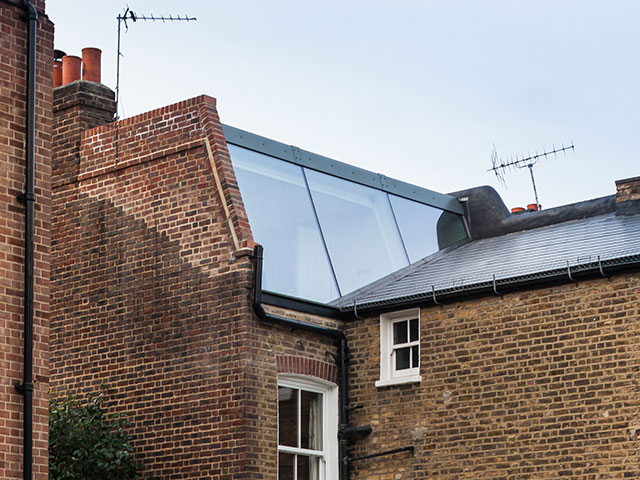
(570, 273)
(26, 388)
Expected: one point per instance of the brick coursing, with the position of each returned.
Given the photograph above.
(13, 80)
(307, 366)
(628, 190)
(151, 281)
(537, 384)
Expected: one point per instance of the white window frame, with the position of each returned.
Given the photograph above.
(388, 373)
(329, 453)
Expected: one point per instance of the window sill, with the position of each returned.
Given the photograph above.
(398, 381)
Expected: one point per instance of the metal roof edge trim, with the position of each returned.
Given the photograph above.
(516, 282)
(314, 161)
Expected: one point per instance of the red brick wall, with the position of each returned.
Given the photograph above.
(151, 277)
(538, 384)
(150, 290)
(13, 75)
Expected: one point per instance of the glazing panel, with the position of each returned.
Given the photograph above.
(286, 466)
(288, 416)
(418, 226)
(281, 216)
(308, 467)
(414, 330)
(359, 229)
(415, 357)
(400, 332)
(402, 358)
(311, 420)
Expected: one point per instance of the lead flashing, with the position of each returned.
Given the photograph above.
(304, 158)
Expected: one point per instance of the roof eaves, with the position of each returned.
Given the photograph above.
(570, 273)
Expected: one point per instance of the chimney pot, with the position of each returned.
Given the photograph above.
(533, 207)
(71, 67)
(517, 210)
(57, 73)
(91, 64)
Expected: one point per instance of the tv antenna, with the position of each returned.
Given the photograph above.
(500, 166)
(130, 15)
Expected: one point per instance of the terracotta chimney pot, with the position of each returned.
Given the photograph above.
(91, 64)
(532, 207)
(57, 73)
(517, 210)
(71, 67)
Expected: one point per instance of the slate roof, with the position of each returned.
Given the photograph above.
(561, 249)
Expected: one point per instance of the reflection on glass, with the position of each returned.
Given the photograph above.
(277, 201)
(418, 225)
(311, 420)
(308, 468)
(288, 416)
(359, 229)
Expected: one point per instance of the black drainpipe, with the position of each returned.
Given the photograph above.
(26, 388)
(347, 433)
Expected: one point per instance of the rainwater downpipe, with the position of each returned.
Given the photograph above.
(342, 357)
(26, 388)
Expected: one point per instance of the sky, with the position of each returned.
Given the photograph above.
(418, 90)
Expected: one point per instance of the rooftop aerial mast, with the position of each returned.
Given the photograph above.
(130, 15)
(500, 166)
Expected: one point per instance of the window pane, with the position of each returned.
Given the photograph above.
(417, 223)
(311, 420)
(308, 467)
(358, 226)
(415, 358)
(402, 358)
(287, 416)
(414, 330)
(286, 464)
(425, 229)
(400, 332)
(282, 220)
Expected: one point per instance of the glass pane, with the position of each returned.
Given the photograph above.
(359, 229)
(286, 464)
(308, 468)
(402, 358)
(415, 357)
(282, 220)
(400, 332)
(311, 420)
(413, 326)
(450, 229)
(425, 229)
(287, 416)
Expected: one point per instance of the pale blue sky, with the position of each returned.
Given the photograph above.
(417, 90)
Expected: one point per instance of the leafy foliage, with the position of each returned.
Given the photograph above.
(85, 443)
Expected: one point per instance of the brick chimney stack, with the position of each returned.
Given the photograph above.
(77, 106)
(628, 196)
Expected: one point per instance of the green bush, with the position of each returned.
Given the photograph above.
(86, 444)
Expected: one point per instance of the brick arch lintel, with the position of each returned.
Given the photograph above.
(307, 366)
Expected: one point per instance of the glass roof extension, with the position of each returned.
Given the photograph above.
(328, 228)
